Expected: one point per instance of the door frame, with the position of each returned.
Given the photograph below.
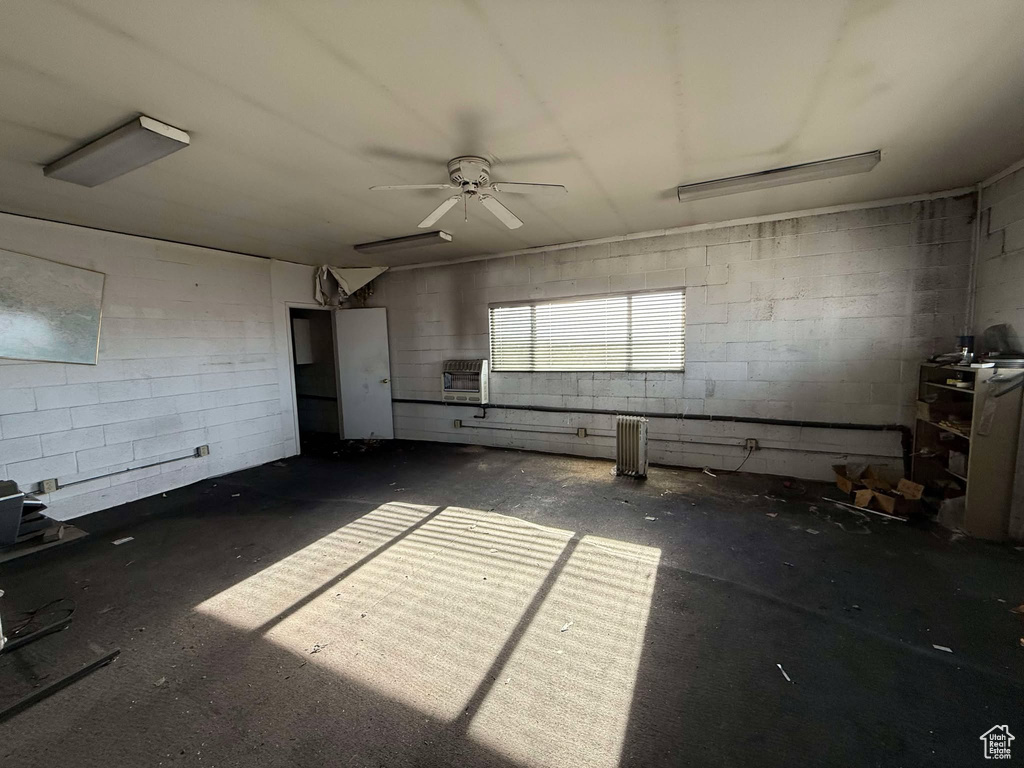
(289, 306)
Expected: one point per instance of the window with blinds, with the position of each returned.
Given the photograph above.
(630, 332)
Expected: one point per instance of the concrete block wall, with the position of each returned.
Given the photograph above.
(186, 358)
(818, 318)
(1000, 278)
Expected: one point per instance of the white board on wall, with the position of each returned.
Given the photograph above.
(49, 311)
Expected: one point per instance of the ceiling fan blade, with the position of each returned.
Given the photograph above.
(440, 211)
(521, 188)
(534, 159)
(389, 153)
(412, 186)
(503, 214)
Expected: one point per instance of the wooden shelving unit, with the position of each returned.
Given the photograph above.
(968, 420)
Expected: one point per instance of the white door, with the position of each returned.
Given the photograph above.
(364, 373)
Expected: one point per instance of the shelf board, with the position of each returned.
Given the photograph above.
(949, 387)
(951, 367)
(954, 474)
(956, 432)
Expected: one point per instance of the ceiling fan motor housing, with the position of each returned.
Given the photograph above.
(470, 171)
(471, 176)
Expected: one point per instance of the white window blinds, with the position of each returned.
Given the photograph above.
(632, 332)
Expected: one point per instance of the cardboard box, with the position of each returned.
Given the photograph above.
(872, 491)
(910, 490)
(850, 477)
(924, 411)
(958, 463)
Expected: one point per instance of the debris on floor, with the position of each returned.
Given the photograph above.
(648, 517)
(235, 495)
(942, 648)
(707, 471)
(876, 489)
(859, 526)
(279, 464)
(814, 531)
(125, 540)
(1019, 609)
(565, 627)
(772, 514)
(320, 646)
(792, 489)
(854, 507)
(788, 679)
(160, 682)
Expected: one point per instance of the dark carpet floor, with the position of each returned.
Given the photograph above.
(431, 605)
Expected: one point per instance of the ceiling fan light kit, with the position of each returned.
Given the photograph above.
(471, 177)
(777, 177)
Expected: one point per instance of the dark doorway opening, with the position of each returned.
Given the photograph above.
(316, 379)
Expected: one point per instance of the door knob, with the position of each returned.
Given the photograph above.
(384, 381)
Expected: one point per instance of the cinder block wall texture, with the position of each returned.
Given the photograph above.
(818, 318)
(186, 358)
(1000, 279)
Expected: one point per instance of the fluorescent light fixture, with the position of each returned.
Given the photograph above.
(777, 177)
(401, 243)
(131, 146)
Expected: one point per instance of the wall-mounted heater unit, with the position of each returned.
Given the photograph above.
(631, 446)
(464, 381)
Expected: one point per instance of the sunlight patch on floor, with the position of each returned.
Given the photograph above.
(567, 695)
(458, 613)
(262, 596)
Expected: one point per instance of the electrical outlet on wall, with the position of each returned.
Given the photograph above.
(751, 444)
(202, 450)
(458, 423)
(49, 486)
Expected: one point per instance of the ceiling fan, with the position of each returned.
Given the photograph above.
(471, 176)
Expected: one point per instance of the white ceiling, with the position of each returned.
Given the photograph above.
(296, 107)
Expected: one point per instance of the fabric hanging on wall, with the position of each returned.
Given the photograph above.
(348, 281)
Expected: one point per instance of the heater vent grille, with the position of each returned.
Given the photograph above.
(464, 381)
